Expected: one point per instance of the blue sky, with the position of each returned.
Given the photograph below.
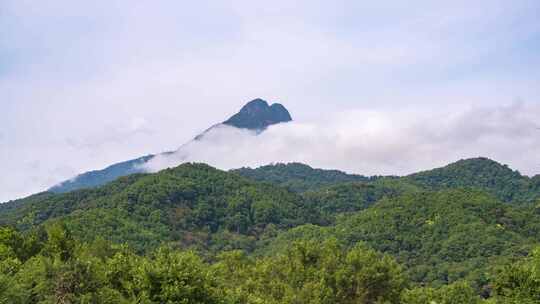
(86, 84)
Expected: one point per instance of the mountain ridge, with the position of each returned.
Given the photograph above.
(255, 115)
(478, 172)
(498, 179)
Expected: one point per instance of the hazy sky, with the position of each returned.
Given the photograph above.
(399, 85)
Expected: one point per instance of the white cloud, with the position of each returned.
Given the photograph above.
(375, 142)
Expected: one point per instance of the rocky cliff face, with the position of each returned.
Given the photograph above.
(258, 115)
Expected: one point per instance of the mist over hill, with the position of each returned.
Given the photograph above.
(254, 117)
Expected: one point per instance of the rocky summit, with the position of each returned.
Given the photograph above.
(258, 115)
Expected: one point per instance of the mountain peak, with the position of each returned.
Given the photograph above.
(480, 172)
(258, 115)
(255, 115)
(255, 104)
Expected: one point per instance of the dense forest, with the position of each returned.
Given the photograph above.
(48, 265)
(286, 233)
(299, 177)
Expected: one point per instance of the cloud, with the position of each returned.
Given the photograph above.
(376, 142)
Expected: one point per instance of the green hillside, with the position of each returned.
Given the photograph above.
(191, 205)
(456, 234)
(299, 177)
(482, 173)
(442, 237)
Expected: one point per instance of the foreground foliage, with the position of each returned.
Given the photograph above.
(52, 267)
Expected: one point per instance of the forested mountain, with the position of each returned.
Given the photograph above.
(191, 205)
(278, 234)
(483, 173)
(299, 177)
(256, 115)
(442, 237)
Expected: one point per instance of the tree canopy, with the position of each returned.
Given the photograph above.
(465, 233)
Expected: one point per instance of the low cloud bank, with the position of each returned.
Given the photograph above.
(376, 142)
